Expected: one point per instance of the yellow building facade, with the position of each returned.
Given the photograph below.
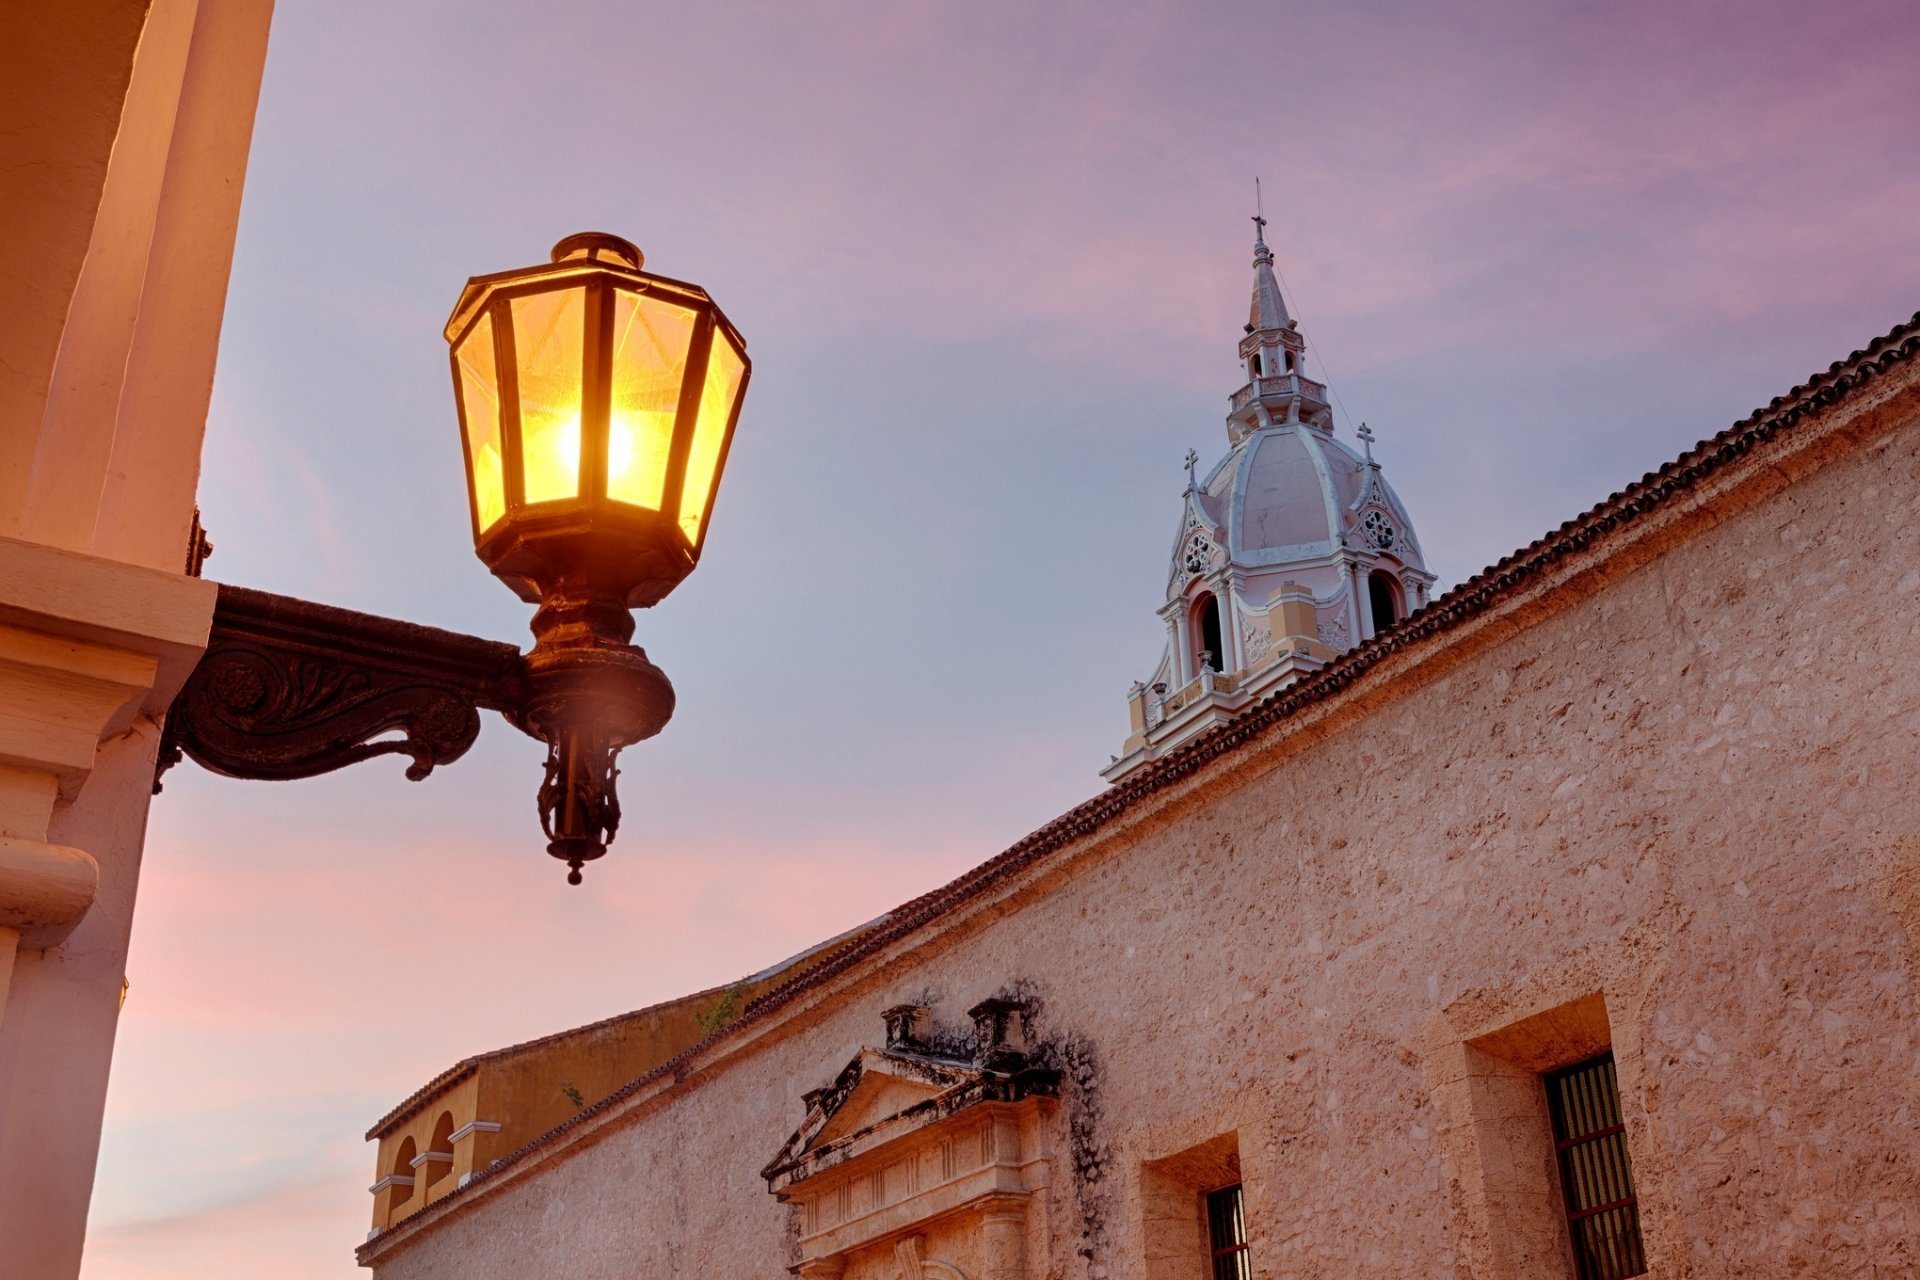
(484, 1108)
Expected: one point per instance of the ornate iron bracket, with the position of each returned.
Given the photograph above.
(290, 689)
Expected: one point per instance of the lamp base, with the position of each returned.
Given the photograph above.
(576, 851)
(589, 695)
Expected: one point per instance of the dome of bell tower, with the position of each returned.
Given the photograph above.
(1291, 549)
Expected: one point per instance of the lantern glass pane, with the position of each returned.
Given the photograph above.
(548, 331)
(480, 406)
(724, 367)
(650, 340)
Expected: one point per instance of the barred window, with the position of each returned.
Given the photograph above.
(1603, 1214)
(1227, 1234)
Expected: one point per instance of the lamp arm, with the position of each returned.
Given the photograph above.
(289, 689)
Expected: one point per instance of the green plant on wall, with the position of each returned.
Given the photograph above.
(724, 1010)
(573, 1095)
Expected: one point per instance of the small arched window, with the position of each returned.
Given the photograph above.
(403, 1168)
(442, 1143)
(1207, 643)
(1383, 594)
(1253, 363)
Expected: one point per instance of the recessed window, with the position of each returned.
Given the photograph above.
(1194, 1230)
(1210, 650)
(1227, 1234)
(1254, 363)
(442, 1144)
(1382, 592)
(403, 1173)
(1603, 1214)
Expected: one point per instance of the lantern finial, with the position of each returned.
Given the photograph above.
(600, 246)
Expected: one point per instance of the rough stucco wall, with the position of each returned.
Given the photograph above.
(1692, 793)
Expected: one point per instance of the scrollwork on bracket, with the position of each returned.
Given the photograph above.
(290, 689)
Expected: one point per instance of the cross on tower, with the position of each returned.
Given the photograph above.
(1193, 460)
(1366, 441)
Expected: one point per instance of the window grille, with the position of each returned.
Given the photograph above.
(1603, 1213)
(1227, 1234)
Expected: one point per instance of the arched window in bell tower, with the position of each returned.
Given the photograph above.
(1208, 648)
(1253, 363)
(1383, 595)
(403, 1170)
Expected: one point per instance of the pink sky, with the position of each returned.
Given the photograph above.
(991, 261)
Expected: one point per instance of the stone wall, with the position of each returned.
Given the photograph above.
(1667, 806)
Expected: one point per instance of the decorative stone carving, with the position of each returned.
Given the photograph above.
(1333, 632)
(1255, 641)
(907, 1027)
(1199, 553)
(914, 1267)
(1379, 530)
(922, 1161)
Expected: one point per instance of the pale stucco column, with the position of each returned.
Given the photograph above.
(1235, 656)
(1003, 1238)
(1355, 618)
(1179, 664)
(91, 653)
(135, 119)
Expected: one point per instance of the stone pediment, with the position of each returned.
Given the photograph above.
(886, 1093)
(877, 1086)
(914, 1148)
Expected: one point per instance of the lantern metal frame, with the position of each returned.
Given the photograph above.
(289, 689)
(519, 544)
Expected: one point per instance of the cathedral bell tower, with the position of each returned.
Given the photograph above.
(1290, 550)
(1273, 359)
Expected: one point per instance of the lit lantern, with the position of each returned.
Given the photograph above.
(597, 403)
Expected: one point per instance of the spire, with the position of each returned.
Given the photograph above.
(1268, 310)
(1273, 355)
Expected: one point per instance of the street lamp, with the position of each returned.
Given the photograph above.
(597, 403)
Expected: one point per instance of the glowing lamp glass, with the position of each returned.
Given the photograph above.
(473, 362)
(597, 403)
(549, 332)
(650, 341)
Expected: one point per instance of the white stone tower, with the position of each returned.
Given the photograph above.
(1291, 549)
